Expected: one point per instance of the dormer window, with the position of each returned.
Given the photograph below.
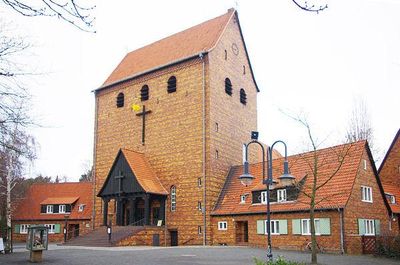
(81, 207)
(390, 198)
(49, 208)
(62, 208)
(282, 195)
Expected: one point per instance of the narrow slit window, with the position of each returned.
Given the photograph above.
(243, 96)
(226, 55)
(173, 198)
(244, 69)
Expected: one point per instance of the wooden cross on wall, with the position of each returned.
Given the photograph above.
(119, 178)
(143, 114)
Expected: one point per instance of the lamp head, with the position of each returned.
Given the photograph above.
(254, 135)
(246, 178)
(286, 177)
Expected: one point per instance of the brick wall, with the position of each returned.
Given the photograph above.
(330, 243)
(84, 228)
(357, 209)
(145, 237)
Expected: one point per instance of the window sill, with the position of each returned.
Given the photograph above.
(368, 201)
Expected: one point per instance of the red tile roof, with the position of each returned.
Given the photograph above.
(29, 207)
(334, 194)
(144, 173)
(60, 200)
(182, 45)
(393, 190)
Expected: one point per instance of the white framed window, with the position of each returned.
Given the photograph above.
(369, 225)
(199, 182)
(81, 207)
(306, 227)
(199, 230)
(223, 225)
(274, 227)
(23, 229)
(392, 199)
(51, 228)
(366, 194)
(173, 198)
(364, 164)
(282, 195)
(264, 197)
(62, 208)
(49, 208)
(243, 198)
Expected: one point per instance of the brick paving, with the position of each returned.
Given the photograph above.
(66, 255)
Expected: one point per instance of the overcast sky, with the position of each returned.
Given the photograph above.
(317, 64)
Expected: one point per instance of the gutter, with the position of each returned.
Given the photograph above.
(341, 223)
(149, 71)
(94, 162)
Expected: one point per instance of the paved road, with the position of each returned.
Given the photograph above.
(178, 255)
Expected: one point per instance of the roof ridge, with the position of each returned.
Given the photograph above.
(62, 183)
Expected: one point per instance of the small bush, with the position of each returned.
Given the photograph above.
(388, 246)
(279, 261)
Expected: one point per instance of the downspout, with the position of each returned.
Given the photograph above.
(341, 231)
(201, 56)
(94, 161)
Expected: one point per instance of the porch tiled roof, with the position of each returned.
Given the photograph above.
(144, 173)
(55, 193)
(334, 194)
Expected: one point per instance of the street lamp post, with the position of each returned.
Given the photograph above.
(246, 178)
(65, 230)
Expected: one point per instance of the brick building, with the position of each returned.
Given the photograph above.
(389, 172)
(55, 205)
(170, 120)
(351, 206)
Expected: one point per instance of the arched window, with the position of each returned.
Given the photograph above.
(228, 86)
(243, 96)
(144, 93)
(171, 84)
(120, 100)
(173, 198)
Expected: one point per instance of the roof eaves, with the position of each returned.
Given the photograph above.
(389, 150)
(150, 71)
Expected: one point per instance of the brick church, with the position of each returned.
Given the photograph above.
(170, 125)
(170, 121)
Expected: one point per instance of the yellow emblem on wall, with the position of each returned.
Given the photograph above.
(135, 107)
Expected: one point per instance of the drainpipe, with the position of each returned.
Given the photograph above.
(341, 231)
(201, 56)
(94, 161)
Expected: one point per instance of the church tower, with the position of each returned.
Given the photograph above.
(170, 121)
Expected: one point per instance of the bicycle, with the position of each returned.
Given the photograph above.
(308, 247)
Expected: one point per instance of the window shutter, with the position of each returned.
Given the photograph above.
(56, 208)
(43, 208)
(361, 227)
(16, 229)
(377, 227)
(325, 226)
(57, 228)
(260, 227)
(296, 227)
(283, 227)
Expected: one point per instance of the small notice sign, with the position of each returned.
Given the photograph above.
(1, 245)
(159, 223)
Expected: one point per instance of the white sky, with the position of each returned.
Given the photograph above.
(303, 62)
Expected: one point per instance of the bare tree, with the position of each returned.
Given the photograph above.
(87, 176)
(68, 10)
(310, 8)
(312, 188)
(359, 125)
